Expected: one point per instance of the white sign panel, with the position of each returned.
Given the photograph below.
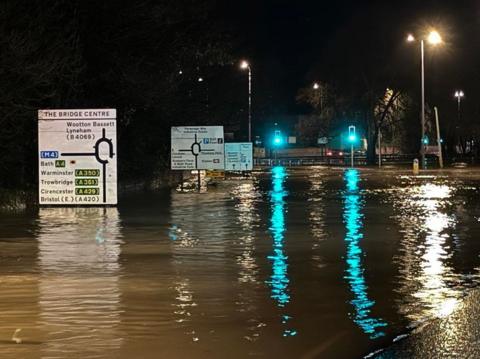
(77, 157)
(199, 148)
(239, 156)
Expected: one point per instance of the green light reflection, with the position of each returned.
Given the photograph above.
(353, 220)
(279, 279)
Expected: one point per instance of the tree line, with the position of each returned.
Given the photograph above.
(143, 58)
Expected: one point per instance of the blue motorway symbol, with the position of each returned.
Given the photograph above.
(48, 154)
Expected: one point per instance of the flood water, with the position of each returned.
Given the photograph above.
(293, 263)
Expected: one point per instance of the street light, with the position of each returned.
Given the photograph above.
(433, 39)
(459, 95)
(316, 86)
(277, 138)
(245, 65)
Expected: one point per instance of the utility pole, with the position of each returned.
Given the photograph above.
(439, 139)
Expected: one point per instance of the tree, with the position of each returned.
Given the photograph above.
(321, 101)
(40, 67)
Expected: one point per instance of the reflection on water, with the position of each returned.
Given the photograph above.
(217, 274)
(317, 213)
(246, 195)
(353, 219)
(79, 294)
(279, 279)
(427, 277)
(199, 234)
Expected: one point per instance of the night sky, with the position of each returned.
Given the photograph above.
(293, 43)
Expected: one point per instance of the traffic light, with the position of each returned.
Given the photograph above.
(277, 138)
(352, 136)
(426, 141)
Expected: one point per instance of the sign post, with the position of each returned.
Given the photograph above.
(77, 157)
(197, 148)
(239, 156)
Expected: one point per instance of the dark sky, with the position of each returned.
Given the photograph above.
(292, 43)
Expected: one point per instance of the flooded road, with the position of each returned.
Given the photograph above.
(293, 263)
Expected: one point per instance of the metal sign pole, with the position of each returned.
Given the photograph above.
(199, 180)
(439, 140)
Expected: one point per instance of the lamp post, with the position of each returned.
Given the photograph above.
(459, 95)
(245, 65)
(433, 38)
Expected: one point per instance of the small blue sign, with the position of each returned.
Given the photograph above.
(48, 154)
(206, 141)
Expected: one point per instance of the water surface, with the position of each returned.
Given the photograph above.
(292, 263)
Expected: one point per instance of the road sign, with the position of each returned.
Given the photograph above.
(322, 140)
(215, 174)
(239, 156)
(197, 148)
(77, 157)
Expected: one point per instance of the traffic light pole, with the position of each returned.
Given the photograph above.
(351, 155)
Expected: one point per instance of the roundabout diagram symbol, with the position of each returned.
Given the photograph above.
(196, 149)
(104, 161)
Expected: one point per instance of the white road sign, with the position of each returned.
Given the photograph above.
(77, 157)
(199, 148)
(239, 156)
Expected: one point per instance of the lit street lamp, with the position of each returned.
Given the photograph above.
(459, 95)
(244, 65)
(434, 39)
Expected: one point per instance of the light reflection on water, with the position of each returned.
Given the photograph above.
(217, 274)
(247, 197)
(247, 218)
(279, 279)
(429, 284)
(79, 296)
(316, 205)
(353, 219)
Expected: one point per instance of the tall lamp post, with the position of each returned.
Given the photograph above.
(434, 39)
(459, 95)
(245, 65)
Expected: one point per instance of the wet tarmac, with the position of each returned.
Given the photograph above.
(454, 336)
(293, 263)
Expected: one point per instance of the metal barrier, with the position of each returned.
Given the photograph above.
(360, 160)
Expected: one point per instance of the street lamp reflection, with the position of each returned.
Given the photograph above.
(279, 279)
(426, 253)
(353, 220)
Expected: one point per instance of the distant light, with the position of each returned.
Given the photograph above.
(316, 86)
(329, 153)
(180, 72)
(340, 153)
(200, 79)
(244, 65)
(410, 38)
(425, 140)
(459, 94)
(434, 38)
